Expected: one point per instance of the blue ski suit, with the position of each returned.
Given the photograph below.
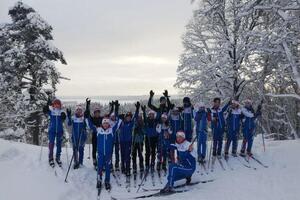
(248, 129)
(233, 129)
(186, 165)
(79, 137)
(104, 148)
(201, 118)
(55, 130)
(126, 129)
(176, 125)
(187, 115)
(163, 147)
(218, 127)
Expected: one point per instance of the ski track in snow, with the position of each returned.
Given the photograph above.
(24, 176)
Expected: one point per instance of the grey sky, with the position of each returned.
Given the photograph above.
(115, 47)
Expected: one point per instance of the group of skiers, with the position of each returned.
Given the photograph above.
(165, 131)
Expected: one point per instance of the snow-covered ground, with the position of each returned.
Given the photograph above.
(24, 176)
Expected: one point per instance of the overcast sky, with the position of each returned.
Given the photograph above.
(115, 47)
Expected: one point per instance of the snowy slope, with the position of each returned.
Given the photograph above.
(24, 176)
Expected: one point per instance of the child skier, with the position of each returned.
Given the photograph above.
(202, 117)
(249, 126)
(218, 125)
(187, 115)
(164, 134)
(104, 148)
(233, 128)
(186, 164)
(126, 129)
(138, 142)
(151, 138)
(55, 131)
(79, 134)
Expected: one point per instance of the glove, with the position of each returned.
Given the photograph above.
(88, 103)
(151, 93)
(259, 107)
(69, 112)
(137, 105)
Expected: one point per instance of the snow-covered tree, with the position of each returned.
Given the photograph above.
(28, 61)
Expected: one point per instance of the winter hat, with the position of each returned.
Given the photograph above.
(164, 116)
(180, 134)
(56, 101)
(151, 112)
(79, 111)
(105, 120)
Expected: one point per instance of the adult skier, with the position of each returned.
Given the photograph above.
(185, 165)
(97, 121)
(202, 117)
(126, 129)
(249, 126)
(79, 135)
(233, 128)
(218, 125)
(55, 130)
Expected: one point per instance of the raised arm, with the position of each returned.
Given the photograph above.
(170, 105)
(112, 106)
(89, 122)
(144, 114)
(137, 110)
(226, 106)
(150, 105)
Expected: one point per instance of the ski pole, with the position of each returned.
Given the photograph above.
(72, 158)
(89, 157)
(41, 140)
(210, 151)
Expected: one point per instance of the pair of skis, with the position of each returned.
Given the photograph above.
(158, 193)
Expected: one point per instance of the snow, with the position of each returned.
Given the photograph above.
(24, 176)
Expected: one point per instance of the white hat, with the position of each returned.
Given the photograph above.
(112, 114)
(151, 112)
(180, 134)
(105, 120)
(164, 116)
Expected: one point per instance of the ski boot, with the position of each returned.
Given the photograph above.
(107, 186)
(234, 154)
(188, 180)
(76, 165)
(242, 153)
(51, 162)
(117, 167)
(99, 184)
(58, 161)
(166, 189)
(226, 156)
